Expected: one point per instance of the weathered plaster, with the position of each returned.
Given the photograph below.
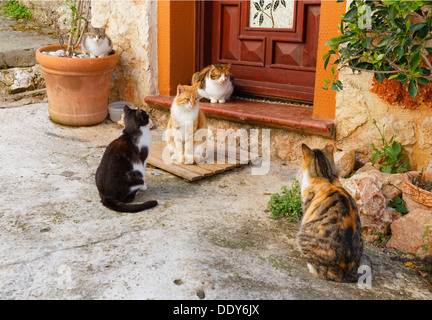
(132, 26)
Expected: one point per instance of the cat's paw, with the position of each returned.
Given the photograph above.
(144, 187)
(177, 158)
(222, 101)
(212, 100)
(199, 159)
(188, 159)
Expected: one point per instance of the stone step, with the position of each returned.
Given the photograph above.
(17, 80)
(20, 86)
(19, 40)
(21, 79)
(23, 98)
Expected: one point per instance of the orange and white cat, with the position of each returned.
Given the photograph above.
(215, 82)
(186, 127)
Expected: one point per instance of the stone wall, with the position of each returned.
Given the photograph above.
(357, 106)
(132, 26)
(45, 12)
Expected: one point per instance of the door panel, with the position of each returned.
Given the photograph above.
(265, 61)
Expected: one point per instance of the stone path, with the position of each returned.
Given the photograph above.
(212, 238)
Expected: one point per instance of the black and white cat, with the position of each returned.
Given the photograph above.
(121, 173)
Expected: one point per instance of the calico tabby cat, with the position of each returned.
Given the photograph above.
(215, 82)
(121, 173)
(185, 122)
(96, 43)
(330, 231)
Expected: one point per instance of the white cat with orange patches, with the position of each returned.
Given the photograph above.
(215, 82)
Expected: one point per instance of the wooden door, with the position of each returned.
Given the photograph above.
(267, 61)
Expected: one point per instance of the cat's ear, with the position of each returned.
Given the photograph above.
(227, 66)
(180, 89)
(330, 148)
(195, 86)
(307, 152)
(126, 109)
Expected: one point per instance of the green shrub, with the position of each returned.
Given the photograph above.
(389, 38)
(288, 203)
(15, 10)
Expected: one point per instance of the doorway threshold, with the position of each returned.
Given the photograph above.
(286, 116)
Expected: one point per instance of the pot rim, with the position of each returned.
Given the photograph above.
(406, 179)
(74, 64)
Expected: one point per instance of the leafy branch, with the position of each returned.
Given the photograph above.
(388, 38)
(77, 21)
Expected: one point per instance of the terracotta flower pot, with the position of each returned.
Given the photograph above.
(77, 89)
(415, 197)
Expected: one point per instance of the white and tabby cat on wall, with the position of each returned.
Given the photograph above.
(215, 82)
(96, 42)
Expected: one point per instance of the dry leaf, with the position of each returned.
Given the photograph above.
(423, 274)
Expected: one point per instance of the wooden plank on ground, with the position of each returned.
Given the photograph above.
(191, 172)
(186, 174)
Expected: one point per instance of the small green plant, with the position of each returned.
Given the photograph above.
(350, 175)
(381, 236)
(427, 238)
(421, 182)
(288, 203)
(399, 205)
(15, 10)
(390, 154)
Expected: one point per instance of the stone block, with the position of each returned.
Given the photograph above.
(408, 233)
(345, 161)
(372, 206)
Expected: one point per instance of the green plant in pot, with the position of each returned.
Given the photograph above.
(77, 88)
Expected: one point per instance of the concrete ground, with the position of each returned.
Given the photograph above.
(211, 239)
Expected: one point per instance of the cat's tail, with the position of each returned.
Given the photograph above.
(119, 206)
